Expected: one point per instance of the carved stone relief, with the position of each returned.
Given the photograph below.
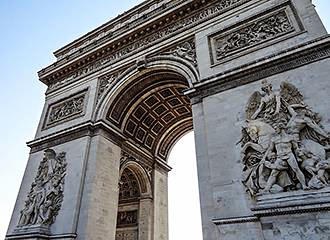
(128, 186)
(66, 109)
(185, 50)
(127, 218)
(127, 235)
(46, 195)
(258, 31)
(283, 143)
(105, 82)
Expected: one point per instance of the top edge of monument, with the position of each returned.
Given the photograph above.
(118, 25)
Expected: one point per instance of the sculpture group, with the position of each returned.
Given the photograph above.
(46, 195)
(284, 145)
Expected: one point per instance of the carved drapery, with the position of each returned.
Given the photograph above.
(284, 145)
(46, 194)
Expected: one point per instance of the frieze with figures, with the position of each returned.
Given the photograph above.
(257, 32)
(284, 145)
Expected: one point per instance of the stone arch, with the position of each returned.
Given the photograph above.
(141, 176)
(146, 103)
(166, 62)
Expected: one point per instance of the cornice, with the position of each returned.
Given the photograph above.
(185, 16)
(88, 128)
(283, 61)
(137, 15)
(117, 39)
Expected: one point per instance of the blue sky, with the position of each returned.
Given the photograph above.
(30, 32)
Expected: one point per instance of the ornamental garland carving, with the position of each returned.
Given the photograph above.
(172, 28)
(46, 195)
(67, 109)
(284, 145)
(273, 26)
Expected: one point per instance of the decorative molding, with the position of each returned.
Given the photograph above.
(235, 220)
(117, 27)
(66, 109)
(127, 234)
(104, 83)
(126, 158)
(155, 35)
(45, 198)
(259, 30)
(291, 203)
(40, 236)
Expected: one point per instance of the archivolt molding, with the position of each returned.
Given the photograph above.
(172, 136)
(142, 171)
(175, 64)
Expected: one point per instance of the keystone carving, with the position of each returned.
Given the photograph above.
(284, 145)
(258, 32)
(46, 195)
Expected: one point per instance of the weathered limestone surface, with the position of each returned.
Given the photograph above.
(100, 194)
(66, 221)
(218, 53)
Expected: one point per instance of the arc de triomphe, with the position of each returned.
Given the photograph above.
(250, 77)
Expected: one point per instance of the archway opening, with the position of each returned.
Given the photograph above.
(184, 205)
(152, 113)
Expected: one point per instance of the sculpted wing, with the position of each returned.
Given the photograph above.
(253, 104)
(291, 94)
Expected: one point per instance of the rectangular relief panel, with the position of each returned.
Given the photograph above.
(66, 109)
(262, 30)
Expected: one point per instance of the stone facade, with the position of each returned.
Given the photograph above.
(120, 97)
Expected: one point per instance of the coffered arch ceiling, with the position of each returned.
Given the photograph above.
(153, 112)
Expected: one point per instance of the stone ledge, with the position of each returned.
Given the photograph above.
(292, 203)
(235, 220)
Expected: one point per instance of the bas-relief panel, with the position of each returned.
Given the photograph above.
(259, 31)
(66, 109)
(284, 145)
